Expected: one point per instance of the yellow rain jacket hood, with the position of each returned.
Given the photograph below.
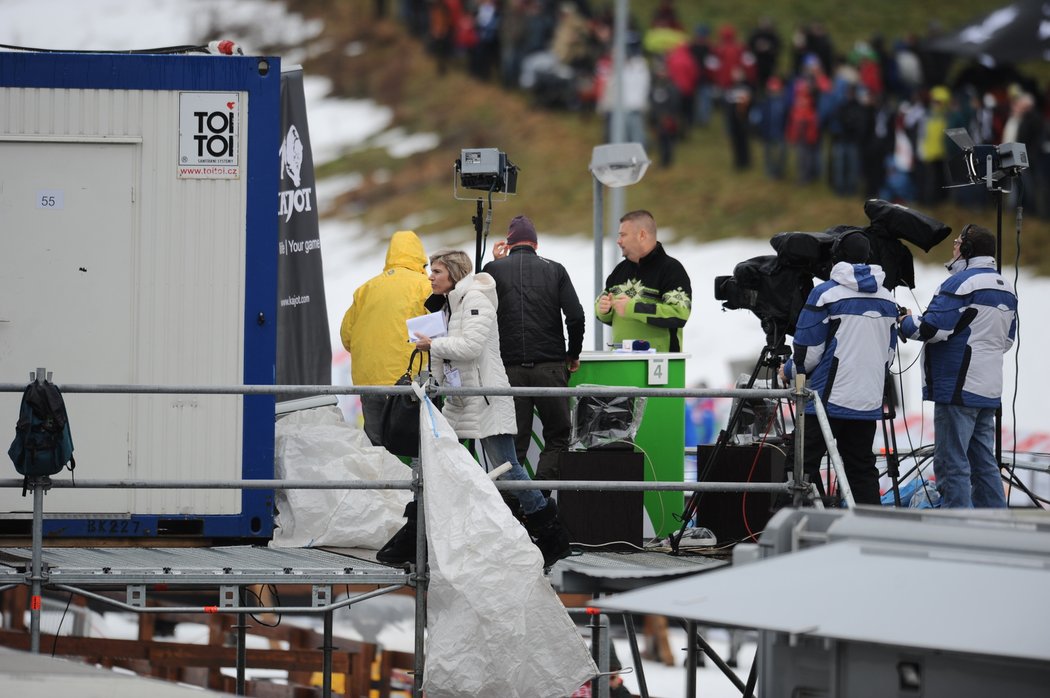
(373, 329)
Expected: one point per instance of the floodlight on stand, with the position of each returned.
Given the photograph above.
(984, 164)
(619, 164)
(960, 137)
(484, 169)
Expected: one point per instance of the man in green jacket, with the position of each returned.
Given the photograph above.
(648, 295)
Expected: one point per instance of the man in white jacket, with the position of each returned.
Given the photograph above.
(845, 339)
(968, 327)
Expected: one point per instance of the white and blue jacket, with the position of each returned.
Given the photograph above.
(845, 339)
(970, 324)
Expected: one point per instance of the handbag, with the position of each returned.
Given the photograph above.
(400, 430)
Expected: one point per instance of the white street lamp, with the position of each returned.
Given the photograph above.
(612, 165)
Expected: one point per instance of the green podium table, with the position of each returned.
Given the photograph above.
(661, 436)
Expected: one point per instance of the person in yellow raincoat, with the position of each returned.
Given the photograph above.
(374, 329)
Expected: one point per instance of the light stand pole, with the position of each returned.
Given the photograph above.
(599, 228)
(614, 165)
(618, 117)
(992, 165)
(999, 193)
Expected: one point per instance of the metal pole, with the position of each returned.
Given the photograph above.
(632, 636)
(242, 652)
(800, 434)
(246, 609)
(752, 677)
(999, 268)
(326, 671)
(38, 484)
(419, 580)
(478, 227)
(599, 273)
(719, 662)
(618, 127)
(504, 485)
(35, 601)
(600, 651)
(690, 659)
(443, 391)
(833, 453)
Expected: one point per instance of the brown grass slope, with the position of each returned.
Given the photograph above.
(700, 197)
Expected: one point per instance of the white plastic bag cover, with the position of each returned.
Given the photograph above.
(495, 626)
(319, 445)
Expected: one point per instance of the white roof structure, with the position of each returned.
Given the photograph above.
(882, 577)
(39, 676)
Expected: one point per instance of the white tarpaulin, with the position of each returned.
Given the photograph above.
(495, 626)
(319, 445)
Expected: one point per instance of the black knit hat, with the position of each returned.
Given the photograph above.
(852, 247)
(520, 229)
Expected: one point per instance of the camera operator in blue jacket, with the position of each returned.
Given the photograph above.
(845, 339)
(970, 323)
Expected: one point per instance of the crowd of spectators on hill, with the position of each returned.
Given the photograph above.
(867, 119)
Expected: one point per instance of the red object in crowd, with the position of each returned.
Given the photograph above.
(803, 125)
(682, 68)
(870, 75)
(466, 32)
(730, 54)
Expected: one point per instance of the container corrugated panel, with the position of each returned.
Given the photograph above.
(151, 276)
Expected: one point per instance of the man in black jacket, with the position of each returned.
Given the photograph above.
(534, 293)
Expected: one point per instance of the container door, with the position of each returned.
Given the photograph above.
(67, 229)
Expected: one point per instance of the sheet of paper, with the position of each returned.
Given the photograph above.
(431, 324)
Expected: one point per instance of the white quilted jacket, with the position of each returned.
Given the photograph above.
(472, 347)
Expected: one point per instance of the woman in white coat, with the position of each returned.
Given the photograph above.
(469, 356)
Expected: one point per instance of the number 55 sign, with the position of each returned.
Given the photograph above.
(49, 199)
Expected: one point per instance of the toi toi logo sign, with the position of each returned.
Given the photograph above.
(215, 137)
(208, 135)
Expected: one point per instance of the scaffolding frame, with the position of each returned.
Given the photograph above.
(39, 568)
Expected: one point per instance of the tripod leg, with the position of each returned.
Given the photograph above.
(892, 468)
(723, 438)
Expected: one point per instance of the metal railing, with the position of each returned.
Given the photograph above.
(37, 577)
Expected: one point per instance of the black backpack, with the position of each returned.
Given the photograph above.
(43, 444)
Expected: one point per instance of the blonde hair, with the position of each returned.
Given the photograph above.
(456, 261)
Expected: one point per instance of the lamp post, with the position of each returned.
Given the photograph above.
(612, 165)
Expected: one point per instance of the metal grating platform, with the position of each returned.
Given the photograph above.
(234, 565)
(598, 572)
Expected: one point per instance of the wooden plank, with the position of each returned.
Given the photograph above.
(178, 654)
(266, 689)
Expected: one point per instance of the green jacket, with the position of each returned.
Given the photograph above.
(661, 299)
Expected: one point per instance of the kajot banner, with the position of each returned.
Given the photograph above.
(304, 352)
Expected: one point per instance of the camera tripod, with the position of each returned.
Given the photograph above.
(771, 356)
(889, 441)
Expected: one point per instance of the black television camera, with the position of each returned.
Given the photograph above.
(772, 290)
(775, 287)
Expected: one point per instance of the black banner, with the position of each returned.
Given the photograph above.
(304, 351)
